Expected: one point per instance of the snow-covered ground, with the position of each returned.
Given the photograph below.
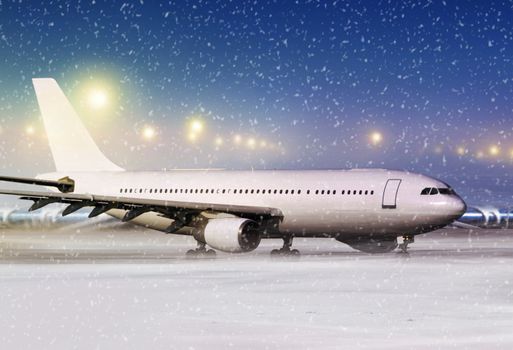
(134, 289)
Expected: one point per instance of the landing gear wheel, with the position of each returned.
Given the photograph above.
(285, 250)
(210, 252)
(191, 253)
(295, 252)
(407, 239)
(201, 251)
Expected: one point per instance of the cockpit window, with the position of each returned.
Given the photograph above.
(446, 191)
(433, 191)
(425, 191)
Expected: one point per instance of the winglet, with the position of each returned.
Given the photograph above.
(72, 147)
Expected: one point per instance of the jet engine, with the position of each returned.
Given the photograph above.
(233, 235)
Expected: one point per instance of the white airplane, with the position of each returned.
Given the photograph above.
(231, 211)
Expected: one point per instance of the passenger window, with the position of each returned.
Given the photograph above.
(286, 191)
(298, 191)
(316, 191)
(372, 192)
(354, 192)
(360, 192)
(328, 192)
(281, 191)
(334, 191)
(433, 191)
(292, 192)
(366, 192)
(307, 191)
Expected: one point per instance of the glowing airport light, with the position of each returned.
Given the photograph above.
(461, 150)
(376, 138)
(148, 132)
(196, 126)
(30, 130)
(218, 141)
(494, 150)
(97, 99)
(251, 143)
(237, 139)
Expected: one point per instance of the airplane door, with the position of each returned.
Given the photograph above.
(390, 194)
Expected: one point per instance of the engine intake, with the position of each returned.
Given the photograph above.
(233, 235)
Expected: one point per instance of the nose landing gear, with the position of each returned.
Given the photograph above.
(407, 239)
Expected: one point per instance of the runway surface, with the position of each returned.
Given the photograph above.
(109, 289)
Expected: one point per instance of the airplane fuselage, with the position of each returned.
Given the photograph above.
(314, 203)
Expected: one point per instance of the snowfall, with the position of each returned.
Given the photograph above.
(130, 289)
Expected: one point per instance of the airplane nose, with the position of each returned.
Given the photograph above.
(459, 206)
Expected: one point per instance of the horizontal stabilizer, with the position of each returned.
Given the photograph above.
(64, 185)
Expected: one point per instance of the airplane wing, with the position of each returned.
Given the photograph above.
(179, 211)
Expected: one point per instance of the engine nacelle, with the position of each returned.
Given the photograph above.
(233, 235)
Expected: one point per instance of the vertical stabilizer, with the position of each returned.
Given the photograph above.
(72, 147)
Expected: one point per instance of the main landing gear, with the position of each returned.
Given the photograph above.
(201, 251)
(407, 239)
(285, 250)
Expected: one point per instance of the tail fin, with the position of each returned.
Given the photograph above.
(72, 147)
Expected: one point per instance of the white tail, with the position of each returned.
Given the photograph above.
(72, 147)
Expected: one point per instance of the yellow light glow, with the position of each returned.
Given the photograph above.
(30, 130)
(192, 136)
(461, 151)
(494, 150)
(196, 126)
(251, 143)
(511, 153)
(480, 154)
(148, 132)
(263, 144)
(218, 141)
(375, 138)
(97, 99)
(237, 139)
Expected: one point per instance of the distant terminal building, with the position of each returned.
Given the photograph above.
(488, 217)
(21, 218)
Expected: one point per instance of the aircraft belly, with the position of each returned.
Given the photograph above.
(326, 223)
